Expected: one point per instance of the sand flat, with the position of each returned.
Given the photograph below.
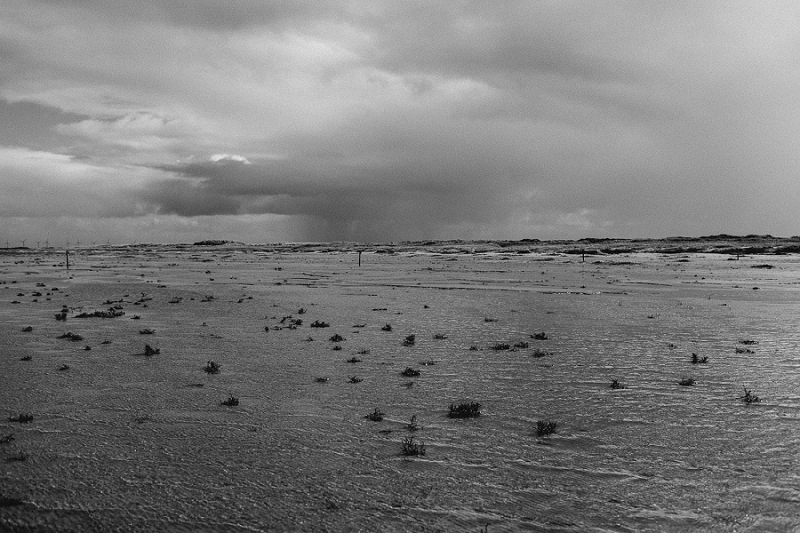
(124, 441)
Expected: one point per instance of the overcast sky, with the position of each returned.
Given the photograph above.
(258, 121)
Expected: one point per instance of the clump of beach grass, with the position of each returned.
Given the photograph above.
(212, 368)
(615, 384)
(355, 379)
(697, 360)
(410, 340)
(22, 418)
(545, 427)
(465, 410)
(749, 397)
(538, 352)
(439, 336)
(321, 380)
(375, 416)
(410, 372)
(411, 448)
(687, 382)
(336, 338)
(413, 425)
(354, 360)
(542, 336)
(149, 350)
(232, 401)
(320, 324)
(146, 331)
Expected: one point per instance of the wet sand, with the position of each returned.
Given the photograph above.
(124, 441)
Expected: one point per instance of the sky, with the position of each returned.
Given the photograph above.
(382, 121)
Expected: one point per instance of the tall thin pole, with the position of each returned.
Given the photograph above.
(67, 253)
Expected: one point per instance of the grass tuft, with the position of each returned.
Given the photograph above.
(23, 418)
(615, 384)
(232, 401)
(320, 324)
(749, 397)
(697, 360)
(545, 427)
(410, 340)
(411, 448)
(410, 372)
(375, 416)
(687, 382)
(212, 368)
(465, 410)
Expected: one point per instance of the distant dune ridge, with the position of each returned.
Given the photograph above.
(721, 244)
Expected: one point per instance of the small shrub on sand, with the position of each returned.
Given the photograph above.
(538, 352)
(375, 416)
(473, 348)
(439, 336)
(521, 344)
(149, 350)
(697, 360)
(354, 360)
(615, 384)
(363, 351)
(413, 425)
(545, 427)
(411, 448)
(320, 324)
(63, 368)
(25, 358)
(212, 367)
(498, 346)
(232, 401)
(146, 331)
(8, 438)
(355, 379)
(27, 329)
(387, 327)
(23, 418)
(539, 336)
(410, 372)
(687, 382)
(748, 342)
(337, 347)
(74, 337)
(336, 338)
(410, 340)
(321, 380)
(749, 397)
(465, 410)
(61, 316)
(487, 319)
(739, 349)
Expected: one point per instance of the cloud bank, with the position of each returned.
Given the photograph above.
(388, 121)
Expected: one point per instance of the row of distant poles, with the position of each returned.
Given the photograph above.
(47, 243)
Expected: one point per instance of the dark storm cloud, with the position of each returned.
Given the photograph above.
(379, 120)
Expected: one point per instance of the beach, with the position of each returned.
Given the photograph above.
(124, 441)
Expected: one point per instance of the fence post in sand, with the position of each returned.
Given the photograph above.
(67, 253)
(359, 258)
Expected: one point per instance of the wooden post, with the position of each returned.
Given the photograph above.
(67, 252)
(359, 258)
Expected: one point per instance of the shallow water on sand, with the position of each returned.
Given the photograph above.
(122, 441)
